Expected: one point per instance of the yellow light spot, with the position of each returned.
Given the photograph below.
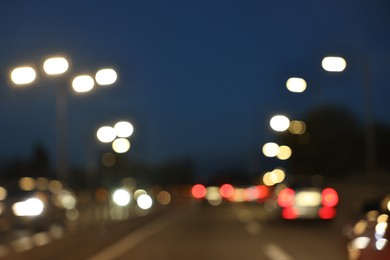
(42, 183)
(121, 145)
(27, 183)
(284, 152)
(372, 215)
(278, 175)
(360, 227)
(3, 193)
(268, 179)
(382, 218)
(55, 186)
(163, 197)
(297, 127)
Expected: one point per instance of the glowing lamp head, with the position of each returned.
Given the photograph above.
(106, 77)
(83, 83)
(334, 64)
(23, 75)
(55, 66)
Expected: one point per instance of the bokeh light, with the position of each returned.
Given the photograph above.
(55, 66)
(123, 129)
(55, 186)
(213, 196)
(27, 183)
(83, 83)
(297, 127)
(198, 191)
(144, 201)
(270, 149)
(164, 197)
(284, 152)
(23, 75)
(227, 191)
(3, 193)
(106, 77)
(121, 197)
(297, 85)
(121, 145)
(106, 134)
(334, 64)
(108, 159)
(279, 123)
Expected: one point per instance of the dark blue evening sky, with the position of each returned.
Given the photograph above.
(198, 79)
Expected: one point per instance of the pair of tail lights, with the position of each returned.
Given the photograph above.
(329, 200)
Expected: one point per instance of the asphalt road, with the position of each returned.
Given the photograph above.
(197, 231)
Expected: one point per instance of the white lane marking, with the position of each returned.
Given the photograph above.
(138, 236)
(274, 252)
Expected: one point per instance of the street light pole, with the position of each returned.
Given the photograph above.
(338, 64)
(55, 66)
(370, 139)
(62, 132)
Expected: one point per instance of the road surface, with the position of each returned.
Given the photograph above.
(199, 231)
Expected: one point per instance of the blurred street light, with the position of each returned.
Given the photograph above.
(23, 75)
(280, 123)
(106, 134)
(338, 64)
(297, 127)
(117, 135)
(270, 149)
(55, 66)
(284, 152)
(297, 85)
(121, 145)
(123, 129)
(106, 77)
(83, 83)
(334, 64)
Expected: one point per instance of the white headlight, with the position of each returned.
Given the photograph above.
(29, 207)
(121, 197)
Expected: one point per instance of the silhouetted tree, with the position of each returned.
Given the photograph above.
(39, 165)
(332, 145)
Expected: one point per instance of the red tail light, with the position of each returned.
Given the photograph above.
(198, 191)
(262, 191)
(286, 197)
(226, 191)
(329, 197)
(327, 213)
(289, 213)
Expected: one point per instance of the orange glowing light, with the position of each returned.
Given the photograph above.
(198, 191)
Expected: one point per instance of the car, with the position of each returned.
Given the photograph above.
(368, 237)
(34, 204)
(307, 202)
